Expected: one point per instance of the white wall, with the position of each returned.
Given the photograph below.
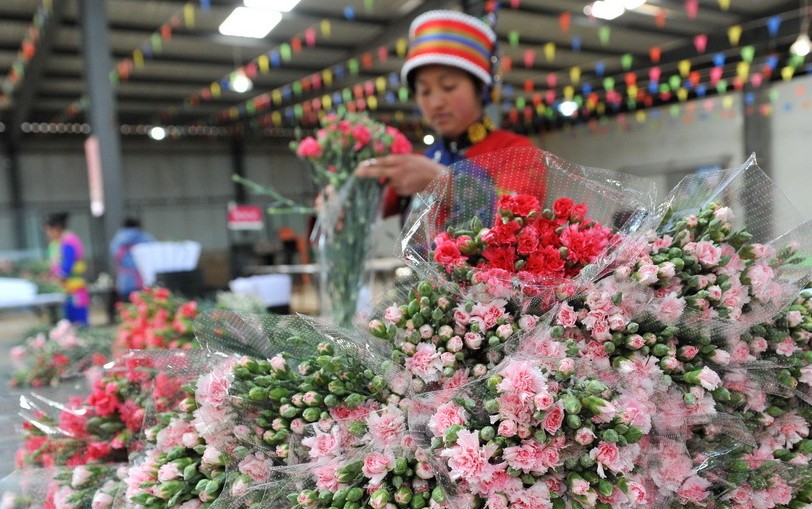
(663, 145)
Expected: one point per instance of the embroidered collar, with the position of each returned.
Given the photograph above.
(475, 133)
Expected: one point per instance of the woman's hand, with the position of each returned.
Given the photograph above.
(406, 174)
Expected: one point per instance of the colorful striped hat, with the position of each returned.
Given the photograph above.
(450, 38)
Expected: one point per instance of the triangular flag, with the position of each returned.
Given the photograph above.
(682, 94)
(506, 63)
(575, 75)
(719, 59)
(694, 78)
(310, 36)
(383, 54)
(189, 15)
(748, 52)
(654, 74)
(264, 63)
(296, 44)
(626, 61)
(564, 21)
(401, 46)
(325, 27)
(528, 85)
(659, 18)
(700, 43)
(514, 4)
(600, 68)
(630, 78)
(513, 38)
(684, 67)
(787, 72)
(756, 80)
(576, 43)
(368, 5)
(604, 33)
(773, 24)
(655, 53)
(609, 83)
(691, 8)
(367, 60)
(327, 77)
(529, 57)
(724, 5)
(734, 34)
(284, 50)
(552, 80)
(549, 51)
(742, 70)
(569, 92)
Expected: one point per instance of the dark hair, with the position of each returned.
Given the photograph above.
(132, 222)
(57, 220)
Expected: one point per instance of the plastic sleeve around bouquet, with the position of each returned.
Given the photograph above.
(343, 238)
(366, 456)
(542, 429)
(565, 224)
(737, 223)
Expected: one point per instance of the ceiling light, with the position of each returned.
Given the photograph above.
(607, 9)
(802, 46)
(240, 83)
(568, 108)
(272, 5)
(245, 22)
(428, 139)
(157, 133)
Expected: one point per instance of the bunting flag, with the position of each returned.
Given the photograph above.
(659, 18)
(700, 43)
(654, 53)
(604, 34)
(564, 21)
(691, 8)
(529, 57)
(734, 34)
(549, 51)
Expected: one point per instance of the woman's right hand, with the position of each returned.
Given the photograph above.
(406, 174)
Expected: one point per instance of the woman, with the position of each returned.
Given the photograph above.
(449, 70)
(67, 254)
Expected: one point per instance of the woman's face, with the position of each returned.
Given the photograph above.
(53, 232)
(448, 99)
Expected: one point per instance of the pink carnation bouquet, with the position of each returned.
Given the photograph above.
(350, 205)
(563, 344)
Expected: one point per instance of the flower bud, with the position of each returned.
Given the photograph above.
(379, 499)
(403, 496)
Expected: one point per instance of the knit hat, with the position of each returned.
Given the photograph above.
(450, 38)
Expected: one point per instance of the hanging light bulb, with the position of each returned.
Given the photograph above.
(802, 45)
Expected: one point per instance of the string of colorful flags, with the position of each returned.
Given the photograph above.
(27, 51)
(596, 91)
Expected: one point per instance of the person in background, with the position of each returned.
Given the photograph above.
(128, 279)
(449, 70)
(67, 256)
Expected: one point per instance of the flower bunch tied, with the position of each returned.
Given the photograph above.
(343, 141)
(156, 319)
(346, 218)
(45, 357)
(100, 427)
(444, 332)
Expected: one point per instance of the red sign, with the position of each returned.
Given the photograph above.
(244, 217)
